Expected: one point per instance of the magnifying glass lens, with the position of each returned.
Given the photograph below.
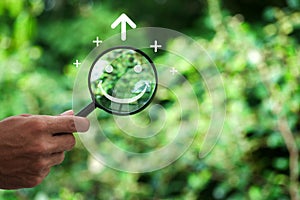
(123, 81)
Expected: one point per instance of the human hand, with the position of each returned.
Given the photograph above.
(29, 146)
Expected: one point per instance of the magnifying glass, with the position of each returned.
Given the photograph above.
(122, 81)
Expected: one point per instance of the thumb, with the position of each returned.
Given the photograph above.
(68, 112)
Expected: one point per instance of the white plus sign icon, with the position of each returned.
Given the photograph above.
(77, 63)
(97, 41)
(173, 71)
(155, 46)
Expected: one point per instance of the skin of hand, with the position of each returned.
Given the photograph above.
(31, 144)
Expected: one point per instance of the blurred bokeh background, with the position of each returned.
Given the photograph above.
(255, 45)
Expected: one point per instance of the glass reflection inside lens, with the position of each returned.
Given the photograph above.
(123, 81)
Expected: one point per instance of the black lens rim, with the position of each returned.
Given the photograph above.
(115, 112)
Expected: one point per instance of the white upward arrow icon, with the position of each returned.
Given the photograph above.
(123, 20)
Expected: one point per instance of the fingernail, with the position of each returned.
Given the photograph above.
(25, 115)
(82, 124)
(68, 112)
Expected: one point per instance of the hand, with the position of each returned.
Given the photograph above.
(29, 146)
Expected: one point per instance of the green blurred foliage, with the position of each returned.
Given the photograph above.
(256, 51)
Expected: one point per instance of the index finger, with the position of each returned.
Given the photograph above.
(66, 124)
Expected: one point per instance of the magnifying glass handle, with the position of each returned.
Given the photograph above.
(86, 110)
(83, 113)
